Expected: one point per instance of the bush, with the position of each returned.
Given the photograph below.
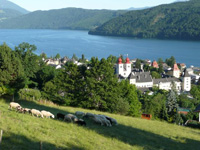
(29, 94)
(122, 106)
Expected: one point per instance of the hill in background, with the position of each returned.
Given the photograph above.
(179, 20)
(5, 4)
(67, 18)
(10, 10)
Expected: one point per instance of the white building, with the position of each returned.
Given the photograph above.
(186, 84)
(123, 69)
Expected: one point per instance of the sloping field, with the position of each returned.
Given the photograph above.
(25, 132)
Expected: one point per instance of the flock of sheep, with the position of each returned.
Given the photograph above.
(103, 120)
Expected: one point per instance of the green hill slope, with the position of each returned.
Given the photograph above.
(23, 131)
(68, 18)
(174, 21)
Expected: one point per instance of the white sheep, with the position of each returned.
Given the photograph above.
(47, 114)
(14, 105)
(80, 114)
(27, 110)
(36, 112)
(69, 117)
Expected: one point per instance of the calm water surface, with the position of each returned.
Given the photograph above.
(67, 43)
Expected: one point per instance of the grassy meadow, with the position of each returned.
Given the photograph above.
(25, 132)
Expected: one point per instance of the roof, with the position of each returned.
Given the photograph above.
(176, 67)
(165, 80)
(183, 109)
(186, 74)
(141, 76)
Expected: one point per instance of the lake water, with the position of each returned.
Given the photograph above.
(68, 42)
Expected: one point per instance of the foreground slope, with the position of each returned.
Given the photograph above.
(22, 132)
(67, 18)
(179, 20)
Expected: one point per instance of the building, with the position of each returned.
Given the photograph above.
(143, 80)
(155, 64)
(123, 69)
(186, 84)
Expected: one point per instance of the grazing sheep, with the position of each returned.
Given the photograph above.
(89, 115)
(27, 110)
(60, 116)
(104, 120)
(69, 118)
(36, 112)
(112, 121)
(47, 114)
(97, 119)
(20, 109)
(80, 114)
(14, 105)
(80, 122)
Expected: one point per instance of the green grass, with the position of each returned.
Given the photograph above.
(24, 132)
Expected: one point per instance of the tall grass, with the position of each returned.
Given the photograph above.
(25, 132)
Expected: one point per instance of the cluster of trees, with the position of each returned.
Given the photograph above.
(92, 86)
(164, 105)
(172, 21)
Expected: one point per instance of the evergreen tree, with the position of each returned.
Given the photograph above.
(172, 106)
(10, 66)
(129, 93)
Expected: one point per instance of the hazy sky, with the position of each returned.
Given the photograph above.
(33, 5)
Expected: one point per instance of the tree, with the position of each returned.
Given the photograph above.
(30, 61)
(129, 93)
(138, 64)
(74, 57)
(171, 61)
(172, 106)
(10, 66)
(156, 75)
(57, 56)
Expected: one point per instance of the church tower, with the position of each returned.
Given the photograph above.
(186, 81)
(123, 69)
(119, 67)
(176, 71)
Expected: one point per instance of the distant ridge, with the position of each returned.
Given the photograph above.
(179, 20)
(5, 4)
(66, 18)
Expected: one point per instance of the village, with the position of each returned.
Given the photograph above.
(179, 76)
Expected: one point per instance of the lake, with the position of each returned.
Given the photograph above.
(69, 42)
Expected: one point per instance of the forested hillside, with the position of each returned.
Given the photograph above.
(68, 18)
(8, 13)
(179, 20)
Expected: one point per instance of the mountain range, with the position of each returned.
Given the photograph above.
(10, 10)
(180, 20)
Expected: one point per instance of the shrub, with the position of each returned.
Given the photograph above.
(29, 94)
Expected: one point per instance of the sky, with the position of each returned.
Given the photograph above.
(33, 5)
